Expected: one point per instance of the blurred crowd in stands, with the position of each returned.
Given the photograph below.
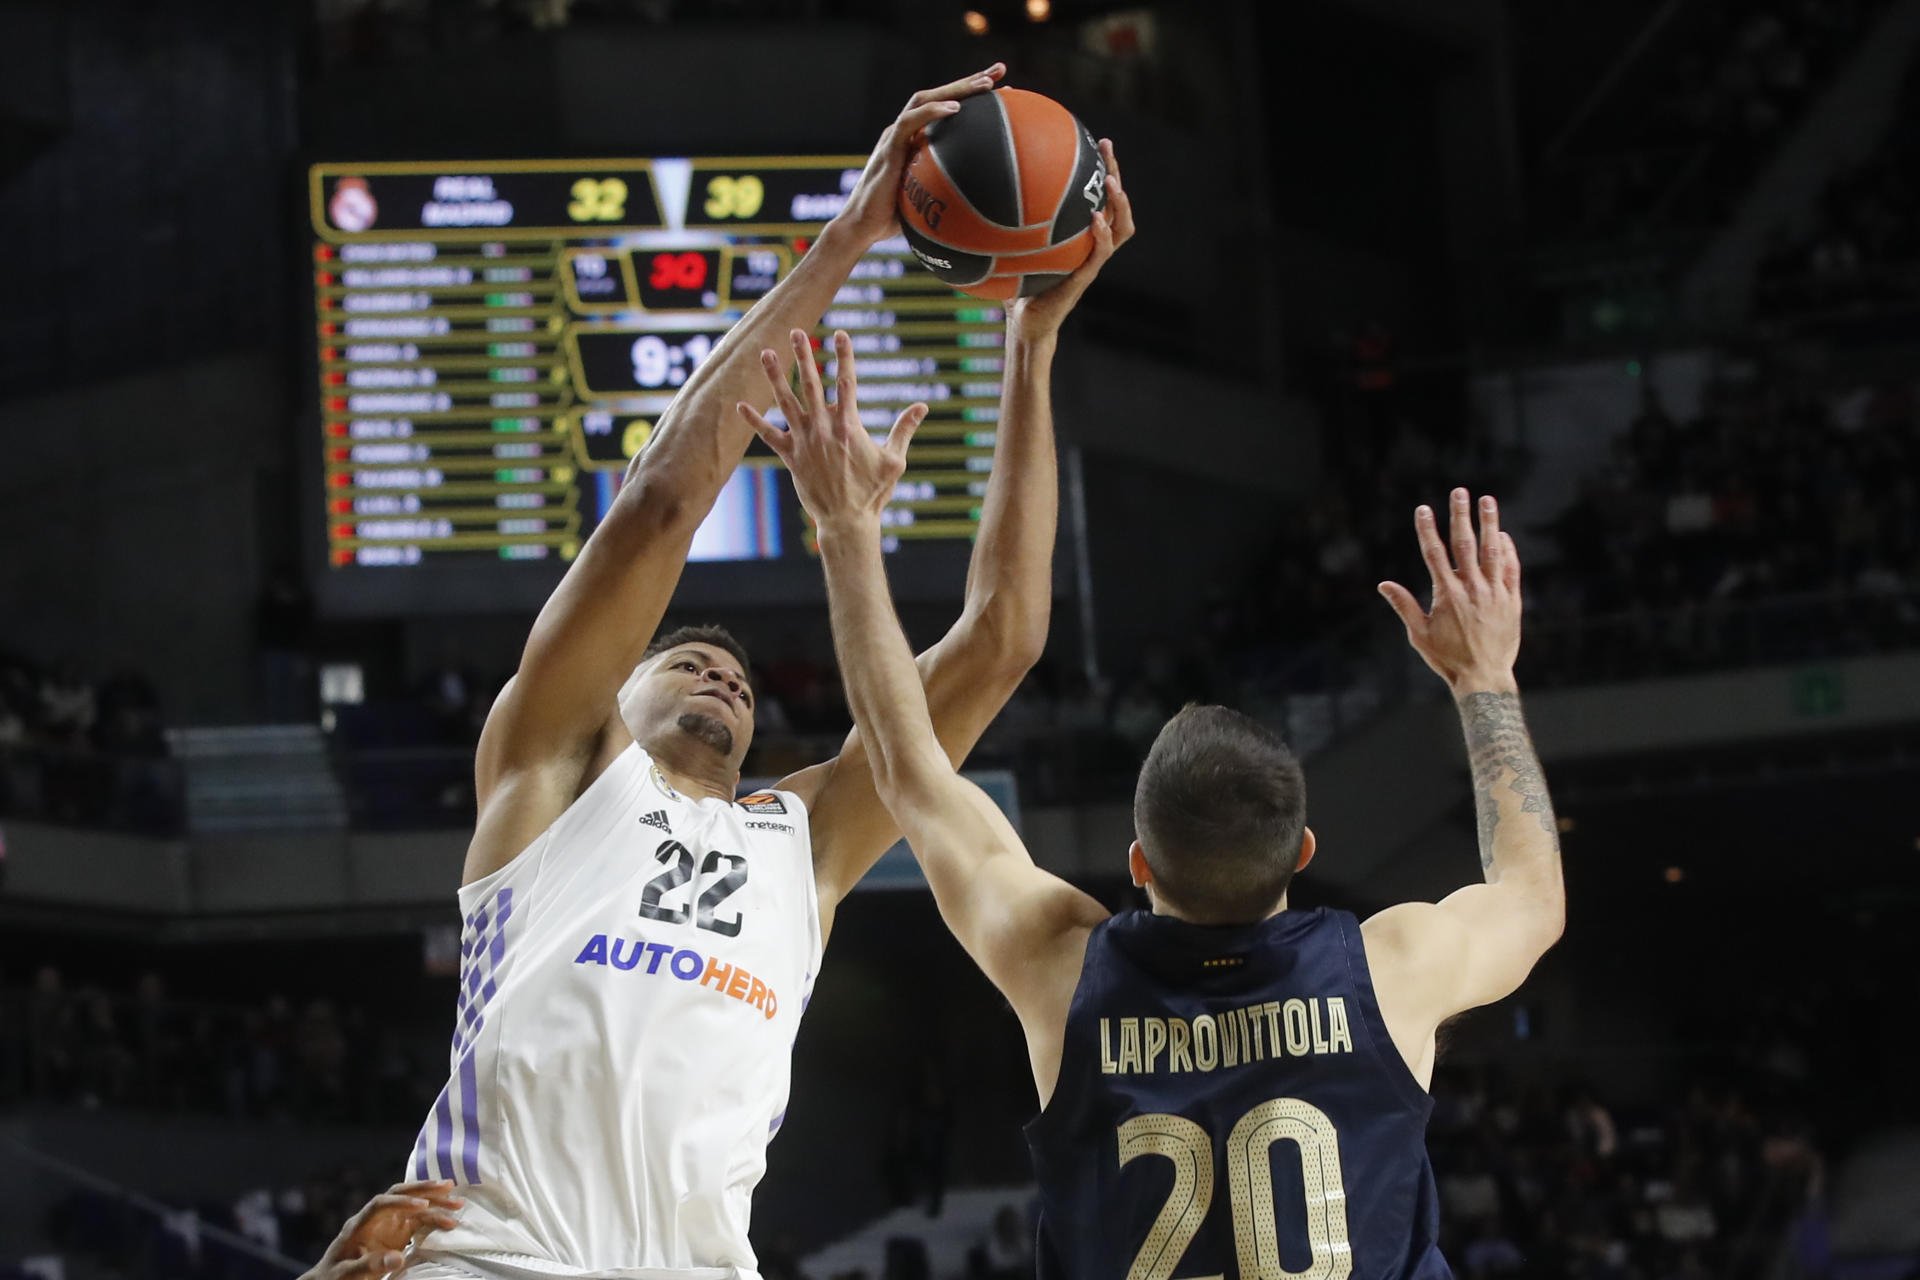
(1533, 1184)
(78, 750)
(1781, 522)
(319, 1062)
(1864, 245)
(1696, 111)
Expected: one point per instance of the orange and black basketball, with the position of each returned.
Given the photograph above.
(999, 198)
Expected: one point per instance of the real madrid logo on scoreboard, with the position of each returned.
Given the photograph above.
(497, 339)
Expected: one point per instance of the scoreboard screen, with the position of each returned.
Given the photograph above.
(494, 341)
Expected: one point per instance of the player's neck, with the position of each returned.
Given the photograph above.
(691, 776)
(1161, 907)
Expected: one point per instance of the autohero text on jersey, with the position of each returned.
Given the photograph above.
(661, 958)
(1255, 1033)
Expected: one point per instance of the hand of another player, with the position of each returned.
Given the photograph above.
(871, 212)
(373, 1242)
(838, 470)
(1041, 315)
(1471, 635)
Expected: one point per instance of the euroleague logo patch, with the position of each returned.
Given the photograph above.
(762, 802)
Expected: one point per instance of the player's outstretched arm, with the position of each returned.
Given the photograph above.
(1478, 944)
(1025, 928)
(606, 609)
(1002, 629)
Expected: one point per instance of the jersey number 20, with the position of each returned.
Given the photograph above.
(679, 863)
(1250, 1187)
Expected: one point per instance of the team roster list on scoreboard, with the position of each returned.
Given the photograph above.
(498, 340)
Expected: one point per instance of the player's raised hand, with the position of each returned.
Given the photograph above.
(1471, 634)
(1041, 315)
(871, 210)
(373, 1242)
(837, 468)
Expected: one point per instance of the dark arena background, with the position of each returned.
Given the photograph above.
(1649, 270)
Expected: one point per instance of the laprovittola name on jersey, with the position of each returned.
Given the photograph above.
(1237, 1037)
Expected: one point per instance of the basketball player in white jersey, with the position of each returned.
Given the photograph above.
(638, 944)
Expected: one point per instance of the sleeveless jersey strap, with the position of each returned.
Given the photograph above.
(1379, 1039)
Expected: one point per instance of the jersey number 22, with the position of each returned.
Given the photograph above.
(704, 911)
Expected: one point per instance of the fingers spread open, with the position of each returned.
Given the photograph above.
(1432, 550)
(1493, 547)
(783, 392)
(1510, 562)
(846, 380)
(1466, 552)
(1404, 604)
(773, 437)
(813, 396)
(903, 428)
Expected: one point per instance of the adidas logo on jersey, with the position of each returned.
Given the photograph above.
(658, 818)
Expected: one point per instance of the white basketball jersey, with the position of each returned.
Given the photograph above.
(630, 989)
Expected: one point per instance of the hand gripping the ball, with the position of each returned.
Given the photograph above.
(870, 212)
(1040, 315)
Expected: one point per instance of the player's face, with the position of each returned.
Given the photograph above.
(699, 692)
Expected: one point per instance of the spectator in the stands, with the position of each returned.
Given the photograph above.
(1007, 1253)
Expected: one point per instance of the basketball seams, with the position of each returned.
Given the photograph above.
(1013, 153)
(960, 194)
(1079, 142)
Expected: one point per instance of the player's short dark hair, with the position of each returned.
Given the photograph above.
(713, 636)
(1220, 809)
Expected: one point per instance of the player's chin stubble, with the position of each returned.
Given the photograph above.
(709, 731)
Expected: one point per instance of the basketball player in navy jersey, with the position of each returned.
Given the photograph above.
(1228, 1087)
(638, 941)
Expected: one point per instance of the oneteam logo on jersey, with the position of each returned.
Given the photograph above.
(663, 959)
(658, 818)
(784, 828)
(762, 802)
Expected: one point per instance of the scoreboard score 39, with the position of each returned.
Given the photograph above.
(494, 341)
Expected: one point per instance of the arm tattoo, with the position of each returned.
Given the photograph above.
(1497, 744)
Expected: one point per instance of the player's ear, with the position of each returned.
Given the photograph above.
(1137, 866)
(1307, 847)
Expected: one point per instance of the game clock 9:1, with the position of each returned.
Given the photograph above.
(615, 362)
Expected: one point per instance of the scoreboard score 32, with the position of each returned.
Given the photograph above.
(494, 341)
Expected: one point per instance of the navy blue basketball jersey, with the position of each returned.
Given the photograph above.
(1231, 1106)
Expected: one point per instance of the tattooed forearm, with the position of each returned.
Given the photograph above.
(1498, 747)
